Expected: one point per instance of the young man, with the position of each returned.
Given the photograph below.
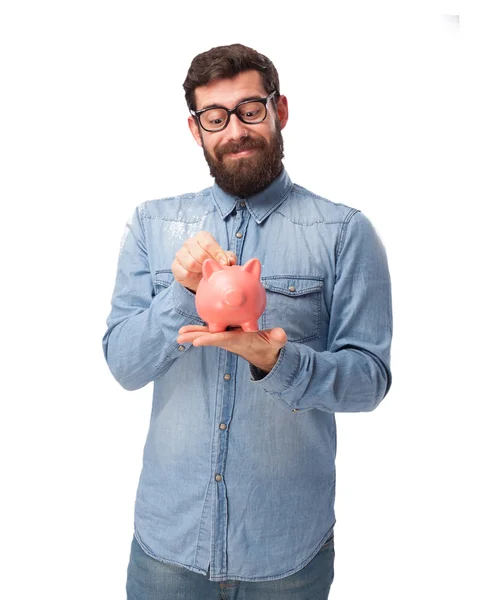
(236, 495)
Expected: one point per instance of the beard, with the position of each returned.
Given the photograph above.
(247, 176)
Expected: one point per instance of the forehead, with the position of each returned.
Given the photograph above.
(228, 92)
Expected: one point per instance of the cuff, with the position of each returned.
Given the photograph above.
(282, 375)
(184, 303)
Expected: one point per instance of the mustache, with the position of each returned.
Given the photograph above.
(246, 143)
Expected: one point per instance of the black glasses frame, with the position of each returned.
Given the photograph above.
(233, 111)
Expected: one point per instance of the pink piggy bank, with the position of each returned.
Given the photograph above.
(231, 295)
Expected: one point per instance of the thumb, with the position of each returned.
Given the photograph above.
(232, 260)
(277, 337)
(222, 257)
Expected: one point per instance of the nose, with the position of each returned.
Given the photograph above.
(236, 129)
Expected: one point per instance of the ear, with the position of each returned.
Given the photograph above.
(195, 132)
(253, 266)
(210, 266)
(282, 108)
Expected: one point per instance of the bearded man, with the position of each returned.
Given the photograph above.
(236, 494)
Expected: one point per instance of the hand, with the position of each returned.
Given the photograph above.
(188, 263)
(259, 348)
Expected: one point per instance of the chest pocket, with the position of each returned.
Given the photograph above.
(293, 302)
(162, 278)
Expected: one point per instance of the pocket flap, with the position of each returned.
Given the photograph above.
(293, 285)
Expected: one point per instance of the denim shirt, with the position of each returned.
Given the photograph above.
(238, 477)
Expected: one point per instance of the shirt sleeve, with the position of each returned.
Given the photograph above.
(140, 342)
(354, 373)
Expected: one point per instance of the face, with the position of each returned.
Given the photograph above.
(243, 158)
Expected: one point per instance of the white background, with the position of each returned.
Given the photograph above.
(383, 117)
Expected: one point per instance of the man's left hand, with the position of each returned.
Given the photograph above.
(259, 348)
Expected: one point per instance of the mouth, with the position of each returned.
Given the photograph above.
(241, 153)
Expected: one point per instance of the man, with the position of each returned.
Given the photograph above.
(236, 495)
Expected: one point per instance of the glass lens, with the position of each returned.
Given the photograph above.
(214, 119)
(252, 112)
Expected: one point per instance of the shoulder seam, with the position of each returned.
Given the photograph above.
(305, 192)
(342, 233)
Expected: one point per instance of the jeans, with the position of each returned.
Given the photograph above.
(149, 579)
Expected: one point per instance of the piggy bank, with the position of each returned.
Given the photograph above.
(231, 295)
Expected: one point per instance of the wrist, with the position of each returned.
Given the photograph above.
(266, 366)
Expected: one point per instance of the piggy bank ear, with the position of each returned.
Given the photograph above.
(209, 267)
(253, 266)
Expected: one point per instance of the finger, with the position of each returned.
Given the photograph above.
(276, 337)
(232, 260)
(225, 339)
(189, 328)
(192, 336)
(190, 257)
(211, 247)
(222, 338)
(181, 274)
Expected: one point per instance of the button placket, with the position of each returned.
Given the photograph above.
(239, 231)
(227, 368)
(226, 379)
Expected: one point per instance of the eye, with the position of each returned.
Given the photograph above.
(214, 118)
(252, 111)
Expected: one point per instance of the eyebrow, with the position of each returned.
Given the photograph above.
(245, 99)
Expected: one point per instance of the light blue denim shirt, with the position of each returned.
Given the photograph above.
(238, 477)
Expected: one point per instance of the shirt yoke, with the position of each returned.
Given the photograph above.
(188, 208)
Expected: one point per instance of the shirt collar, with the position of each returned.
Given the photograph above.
(260, 205)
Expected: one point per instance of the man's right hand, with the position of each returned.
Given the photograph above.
(188, 263)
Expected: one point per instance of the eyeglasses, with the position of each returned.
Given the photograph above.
(217, 118)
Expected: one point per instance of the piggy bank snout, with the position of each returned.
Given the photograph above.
(234, 297)
(231, 296)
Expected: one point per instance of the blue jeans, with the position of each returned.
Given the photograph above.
(149, 579)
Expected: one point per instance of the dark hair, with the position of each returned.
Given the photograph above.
(225, 62)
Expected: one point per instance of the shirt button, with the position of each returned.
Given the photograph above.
(292, 288)
(218, 477)
(227, 377)
(242, 204)
(181, 348)
(223, 426)
(239, 234)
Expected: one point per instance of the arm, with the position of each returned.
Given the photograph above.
(140, 341)
(353, 374)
